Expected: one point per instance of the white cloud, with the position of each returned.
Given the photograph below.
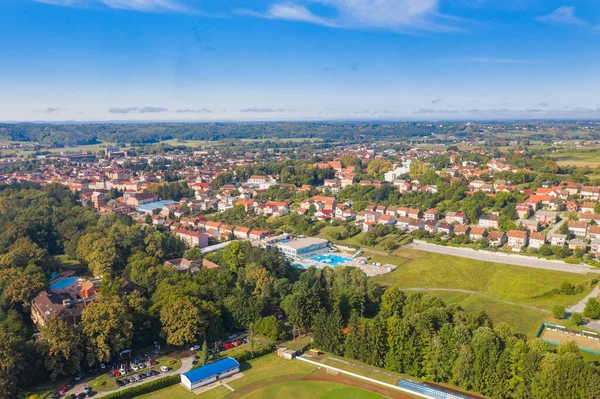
(394, 15)
(501, 60)
(565, 15)
(133, 5)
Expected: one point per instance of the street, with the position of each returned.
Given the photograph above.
(508, 259)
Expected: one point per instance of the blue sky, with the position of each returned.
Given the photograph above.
(93, 60)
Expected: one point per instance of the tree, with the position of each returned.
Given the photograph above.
(234, 255)
(577, 318)
(203, 357)
(300, 308)
(462, 372)
(107, 327)
(392, 302)
(102, 257)
(193, 253)
(378, 166)
(558, 312)
(592, 309)
(352, 345)
(181, 322)
(13, 362)
(62, 347)
(270, 327)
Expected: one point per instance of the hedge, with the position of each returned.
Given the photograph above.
(258, 352)
(143, 389)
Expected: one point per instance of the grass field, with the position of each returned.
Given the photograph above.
(264, 368)
(591, 159)
(523, 285)
(310, 390)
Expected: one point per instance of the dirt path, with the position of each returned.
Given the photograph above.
(318, 375)
(530, 307)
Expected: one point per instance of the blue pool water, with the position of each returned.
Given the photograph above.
(63, 283)
(331, 260)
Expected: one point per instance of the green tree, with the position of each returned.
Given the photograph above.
(577, 318)
(592, 309)
(102, 257)
(558, 312)
(181, 322)
(62, 347)
(203, 357)
(193, 253)
(107, 327)
(378, 166)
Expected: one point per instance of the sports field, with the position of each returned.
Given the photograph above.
(581, 341)
(310, 390)
(272, 377)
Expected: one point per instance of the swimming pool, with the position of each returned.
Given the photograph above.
(63, 283)
(331, 259)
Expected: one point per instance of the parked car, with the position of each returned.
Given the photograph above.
(87, 390)
(149, 374)
(120, 383)
(148, 363)
(134, 367)
(78, 377)
(155, 372)
(56, 395)
(195, 348)
(153, 362)
(164, 369)
(102, 365)
(232, 336)
(126, 381)
(122, 371)
(64, 389)
(82, 395)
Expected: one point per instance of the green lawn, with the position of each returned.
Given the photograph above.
(269, 367)
(576, 158)
(522, 285)
(310, 390)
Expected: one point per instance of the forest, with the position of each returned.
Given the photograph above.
(60, 135)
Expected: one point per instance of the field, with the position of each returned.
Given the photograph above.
(517, 295)
(272, 377)
(221, 143)
(582, 342)
(591, 159)
(311, 389)
(522, 285)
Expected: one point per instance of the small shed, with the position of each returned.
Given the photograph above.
(286, 353)
(210, 373)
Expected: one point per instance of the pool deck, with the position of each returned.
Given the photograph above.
(369, 269)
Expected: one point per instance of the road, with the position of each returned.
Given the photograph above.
(508, 259)
(581, 305)
(480, 294)
(555, 228)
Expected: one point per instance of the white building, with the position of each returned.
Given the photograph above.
(210, 373)
(304, 247)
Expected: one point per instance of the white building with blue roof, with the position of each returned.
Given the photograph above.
(210, 373)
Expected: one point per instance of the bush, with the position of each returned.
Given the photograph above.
(143, 389)
(577, 318)
(259, 351)
(558, 312)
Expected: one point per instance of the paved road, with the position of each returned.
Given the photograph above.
(555, 228)
(480, 294)
(508, 259)
(581, 305)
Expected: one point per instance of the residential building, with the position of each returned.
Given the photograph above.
(488, 222)
(536, 240)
